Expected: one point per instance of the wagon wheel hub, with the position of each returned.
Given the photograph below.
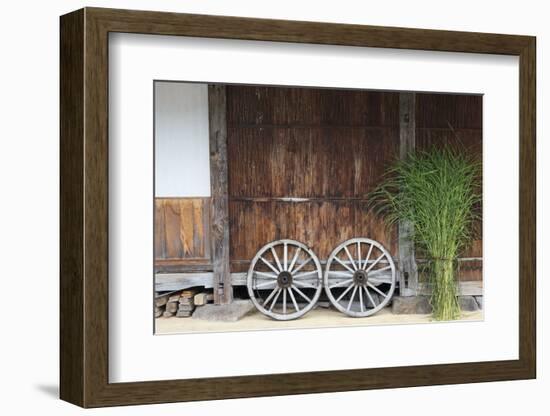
(360, 277)
(364, 282)
(284, 279)
(277, 279)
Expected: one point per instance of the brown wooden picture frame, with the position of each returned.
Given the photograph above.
(84, 207)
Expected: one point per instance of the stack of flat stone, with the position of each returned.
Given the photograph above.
(181, 304)
(202, 298)
(160, 305)
(186, 303)
(171, 306)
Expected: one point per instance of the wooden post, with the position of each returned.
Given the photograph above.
(223, 291)
(408, 272)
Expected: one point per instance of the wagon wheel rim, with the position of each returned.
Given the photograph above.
(284, 280)
(359, 277)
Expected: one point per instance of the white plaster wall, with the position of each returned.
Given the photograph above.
(182, 166)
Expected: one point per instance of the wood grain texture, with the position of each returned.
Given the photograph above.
(72, 324)
(301, 164)
(321, 225)
(407, 268)
(288, 143)
(182, 234)
(219, 223)
(527, 209)
(84, 329)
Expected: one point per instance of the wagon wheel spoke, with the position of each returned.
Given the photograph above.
(370, 297)
(375, 262)
(338, 273)
(293, 262)
(374, 273)
(285, 256)
(344, 283)
(269, 265)
(304, 274)
(276, 257)
(304, 284)
(266, 301)
(300, 293)
(350, 258)
(293, 299)
(344, 264)
(365, 264)
(302, 265)
(344, 293)
(263, 275)
(269, 284)
(359, 254)
(351, 298)
(275, 299)
(378, 280)
(286, 278)
(340, 284)
(376, 290)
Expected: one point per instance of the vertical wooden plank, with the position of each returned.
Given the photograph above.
(160, 229)
(408, 272)
(71, 250)
(219, 223)
(528, 209)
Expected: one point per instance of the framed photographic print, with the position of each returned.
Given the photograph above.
(259, 207)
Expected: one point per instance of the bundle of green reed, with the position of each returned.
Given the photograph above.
(437, 191)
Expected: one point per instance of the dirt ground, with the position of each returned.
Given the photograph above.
(316, 318)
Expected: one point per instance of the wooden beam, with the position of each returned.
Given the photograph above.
(219, 223)
(178, 281)
(72, 318)
(407, 270)
(465, 288)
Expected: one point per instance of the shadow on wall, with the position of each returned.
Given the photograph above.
(49, 390)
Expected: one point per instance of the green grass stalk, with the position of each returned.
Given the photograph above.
(437, 191)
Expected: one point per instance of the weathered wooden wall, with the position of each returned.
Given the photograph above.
(182, 234)
(301, 163)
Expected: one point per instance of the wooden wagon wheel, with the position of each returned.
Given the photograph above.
(359, 277)
(284, 279)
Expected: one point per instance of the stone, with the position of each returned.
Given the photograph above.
(158, 313)
(188, 308)
(161, 300)
(468, 303)
(174, 298)
(323, 304)
(172, 307)
(200, 299)
(189, 293)
(479, 300)
(224, 313)
(419, 305)
(184, 314)
(186, 301)
(167, 314)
